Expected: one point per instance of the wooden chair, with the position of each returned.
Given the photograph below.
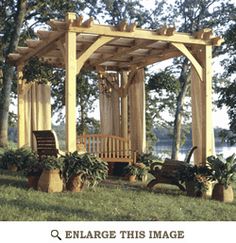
(167, 172)
(47, 143)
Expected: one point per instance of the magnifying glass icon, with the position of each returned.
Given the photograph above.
(55, 234)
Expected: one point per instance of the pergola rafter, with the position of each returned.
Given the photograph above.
(75, 43)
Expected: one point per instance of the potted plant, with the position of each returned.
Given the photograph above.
(9, 160)
(81, 169)
(196, 179)
(136, 171)
(51, 179)
(147, 158)
(33, 171)
(224, 171)
(25, 156)
(16, 159)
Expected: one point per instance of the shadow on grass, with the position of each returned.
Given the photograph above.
(13, 183)
(49, 210)
(160, 188)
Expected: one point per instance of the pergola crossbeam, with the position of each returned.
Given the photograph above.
(104, 30)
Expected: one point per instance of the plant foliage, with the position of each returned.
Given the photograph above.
(52, 163)
(147, 158)
(137, 169)
(22, 158)
(224, 170)
(90, 168)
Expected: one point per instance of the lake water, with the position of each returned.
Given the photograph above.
(165, 151)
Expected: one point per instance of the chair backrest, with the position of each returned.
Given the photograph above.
(47, 143)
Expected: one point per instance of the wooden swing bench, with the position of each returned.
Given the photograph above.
(168, 171)
(108, 147)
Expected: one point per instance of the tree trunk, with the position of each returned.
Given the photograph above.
(184, 83)
(8, 71)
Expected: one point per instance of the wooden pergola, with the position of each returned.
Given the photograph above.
(75, 44)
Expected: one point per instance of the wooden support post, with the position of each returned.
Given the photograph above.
(207, 132)
(70, 87)
(124, 105)
(21, 108)
(201, 92)
(137, 112)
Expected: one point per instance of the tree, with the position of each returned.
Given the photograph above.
(11, 21)
(228, 91)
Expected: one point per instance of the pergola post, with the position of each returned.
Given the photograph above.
(137, 112)
(124, 105)
(20, 108)
(70, 87)
(201, 92)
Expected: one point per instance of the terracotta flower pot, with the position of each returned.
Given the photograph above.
(12, 167)
(50, 181)
(33, 181)
(190, 188)
(220, 193)
(132, 178)
(191, 192)
(75, 184)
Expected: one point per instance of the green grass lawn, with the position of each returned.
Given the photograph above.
(111, 200)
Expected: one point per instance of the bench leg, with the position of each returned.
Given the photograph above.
(152, 183)
(181, 187)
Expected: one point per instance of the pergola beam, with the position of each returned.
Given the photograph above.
(40, 48)
(182, 48)
(84, 56)
(106, 30)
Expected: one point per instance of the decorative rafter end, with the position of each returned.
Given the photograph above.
(88, 23)
(132, 27)
(122, 25)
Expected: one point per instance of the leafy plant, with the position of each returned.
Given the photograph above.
(90, 168)
(198, 175)
(224, 170)
(8, 158)
(34, 169)
(26, 157)
(147, 158)
(22, 158)
(131, 170)
(52, 163)
(137, 169)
